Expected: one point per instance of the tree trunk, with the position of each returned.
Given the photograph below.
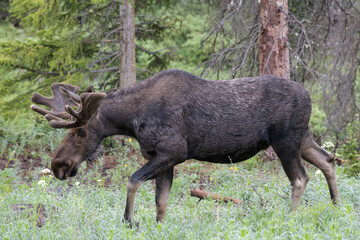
(273, 45)
(127, 44)
(273, 41)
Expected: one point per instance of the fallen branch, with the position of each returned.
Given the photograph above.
(203, 194)
(262, 202)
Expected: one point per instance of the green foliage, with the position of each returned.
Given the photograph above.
(4, 7)
(298, 8)
(52, 48)
(20, 134)
(58, 46)
(180, 43)
(42, 13)
(317, 121)
(350, 152)
(61, 41)
(29, 61)
(84, 208)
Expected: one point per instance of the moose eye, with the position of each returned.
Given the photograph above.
(81, 132)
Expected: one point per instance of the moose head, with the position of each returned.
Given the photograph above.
(82, 141)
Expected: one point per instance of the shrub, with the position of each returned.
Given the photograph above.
(350, 152)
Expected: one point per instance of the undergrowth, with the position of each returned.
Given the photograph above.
(91, 205)
(89, 210)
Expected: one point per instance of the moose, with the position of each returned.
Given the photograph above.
(176, 116)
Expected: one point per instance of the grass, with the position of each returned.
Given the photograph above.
(94, 210)
(91, 205)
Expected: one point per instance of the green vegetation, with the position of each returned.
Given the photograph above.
(63, 50)
(182, 42)
(91, 205)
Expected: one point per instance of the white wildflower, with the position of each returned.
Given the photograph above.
(77, 183)
(328, 145)
(318, 172)
(99, 180)
(45, 171)
(42, 183)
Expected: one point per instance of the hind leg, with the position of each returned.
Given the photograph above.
(314, 154)
(291, 161)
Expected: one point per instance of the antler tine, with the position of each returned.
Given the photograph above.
(63, 94)
(89, 104)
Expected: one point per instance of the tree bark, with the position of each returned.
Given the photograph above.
(273, 45)
(273, 40)
(127, 44)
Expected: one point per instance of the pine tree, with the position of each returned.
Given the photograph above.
(71, 41)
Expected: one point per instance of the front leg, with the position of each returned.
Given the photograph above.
(132, 187)
(163, 186)
(171, 149)
(159, 168)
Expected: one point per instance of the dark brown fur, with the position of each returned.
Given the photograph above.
(177, 116)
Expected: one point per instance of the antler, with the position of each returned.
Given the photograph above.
(89, 104)
(65, 95)
(57, 101)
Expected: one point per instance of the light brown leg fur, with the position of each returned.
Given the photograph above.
(325, 161)
(163, 186)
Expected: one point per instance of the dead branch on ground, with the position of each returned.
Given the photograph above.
(203, 194)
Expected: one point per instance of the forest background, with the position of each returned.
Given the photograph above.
(80, 42)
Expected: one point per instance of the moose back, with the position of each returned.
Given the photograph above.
(176, 116)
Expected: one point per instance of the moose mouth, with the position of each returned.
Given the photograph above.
(62, 175)
(62, 172)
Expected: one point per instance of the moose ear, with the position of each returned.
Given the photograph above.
(90, 102)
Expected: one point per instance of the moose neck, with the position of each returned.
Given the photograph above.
(115, 117)
(121, 109)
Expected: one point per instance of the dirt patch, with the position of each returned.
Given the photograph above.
(25, 161)
(109, 162)
(28, 210)
(6, 163)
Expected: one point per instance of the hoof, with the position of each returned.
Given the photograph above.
(131, 224)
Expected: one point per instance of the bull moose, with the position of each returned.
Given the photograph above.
(176, 116)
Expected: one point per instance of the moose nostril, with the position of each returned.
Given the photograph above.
(61, 175)
(73, 172)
